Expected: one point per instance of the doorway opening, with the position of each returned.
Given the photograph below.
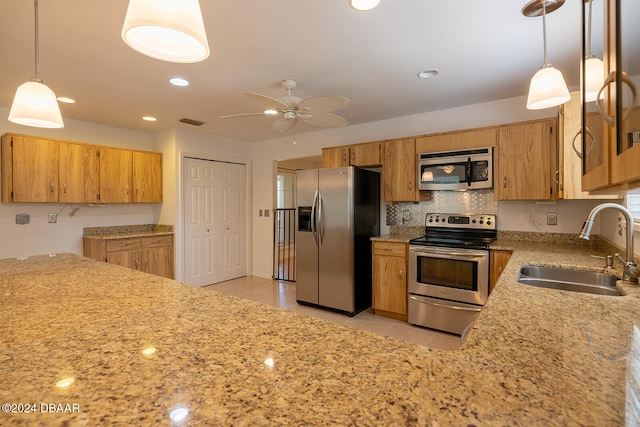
(284, 218)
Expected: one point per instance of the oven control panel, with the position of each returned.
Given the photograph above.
(480, 221)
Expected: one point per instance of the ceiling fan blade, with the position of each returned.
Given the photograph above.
(324, 104)
(283, 125)
(230, 116)
(326, 120)
(266, 101)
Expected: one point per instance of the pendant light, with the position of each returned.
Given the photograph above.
(34, 103)
(547, 88)
(594, 67)
(168, 30)
(363, 5)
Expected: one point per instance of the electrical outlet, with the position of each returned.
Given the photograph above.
(552, 218)
(53, 217)
(406, 215)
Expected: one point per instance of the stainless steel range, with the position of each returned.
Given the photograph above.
(449, 271)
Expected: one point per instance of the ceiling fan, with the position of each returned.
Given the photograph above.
(314, 111)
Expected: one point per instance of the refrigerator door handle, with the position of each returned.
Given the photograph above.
(313, 218)
(320, 231)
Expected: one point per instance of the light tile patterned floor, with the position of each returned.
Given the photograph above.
(283, 295)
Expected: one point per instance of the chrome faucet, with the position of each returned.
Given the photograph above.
(631, 271)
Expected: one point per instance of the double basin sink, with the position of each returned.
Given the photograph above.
(569, 280)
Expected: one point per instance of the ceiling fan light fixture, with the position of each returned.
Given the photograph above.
(271, 112)
(168, 30)
(547, 89)
(363, 5)
(34, 104)
(427, 74)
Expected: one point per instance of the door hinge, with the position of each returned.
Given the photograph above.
(98, 152)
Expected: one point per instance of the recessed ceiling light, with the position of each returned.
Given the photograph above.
(178, 81)
(66, 100)
(149, 118)
(427, 74)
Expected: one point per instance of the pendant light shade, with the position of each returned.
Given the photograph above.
(594, 73)
(593, 67)
(168, 30)
(34, 103)
(547, 87)
(363, 4)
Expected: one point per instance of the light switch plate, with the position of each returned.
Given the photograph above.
(23, 218)
(552, 218)
(53, 217)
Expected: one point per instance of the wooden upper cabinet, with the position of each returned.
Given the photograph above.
(369, 154)
(527, 161)
(115, 175)
(78, 173)
(147, 177)
(29, 169)
(365, 154)
(399, 171)
(461, 140)
(570, 147)
(335, 157)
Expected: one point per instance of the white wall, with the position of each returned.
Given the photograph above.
(513, 215)
(40, 237)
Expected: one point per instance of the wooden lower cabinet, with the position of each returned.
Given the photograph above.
(389, 293)
(150, 254)
(498, 260)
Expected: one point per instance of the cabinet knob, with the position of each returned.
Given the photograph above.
(64, 188)
(504, 182)
(51, 187)
(136, 263)
(400, 274)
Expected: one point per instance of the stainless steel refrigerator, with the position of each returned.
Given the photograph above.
(338, 212)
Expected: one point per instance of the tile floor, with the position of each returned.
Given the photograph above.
(283, 295)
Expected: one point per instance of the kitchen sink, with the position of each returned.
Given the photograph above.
(569, 280)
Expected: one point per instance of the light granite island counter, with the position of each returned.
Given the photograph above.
(77, 339)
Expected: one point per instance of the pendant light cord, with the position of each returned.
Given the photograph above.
(37, 65)
(588, 47)
(544, 30)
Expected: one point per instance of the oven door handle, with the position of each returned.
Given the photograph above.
(453, 307)
(431, 251)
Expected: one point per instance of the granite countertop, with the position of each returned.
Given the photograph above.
(534, 357)
(125, 231)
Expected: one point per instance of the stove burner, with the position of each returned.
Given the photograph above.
(458, 231)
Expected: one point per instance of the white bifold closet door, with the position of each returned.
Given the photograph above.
(214, 221)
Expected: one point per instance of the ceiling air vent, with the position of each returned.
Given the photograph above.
(191, 122)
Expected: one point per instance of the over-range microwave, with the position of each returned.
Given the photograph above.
(470, 169)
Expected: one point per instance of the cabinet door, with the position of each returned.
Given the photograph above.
(462, 140)
(389, 287)
(527, 161)
(115, 175)
(158, 261)
(570, 146)
(129, 259)
(399, 171)
(498, 260)
(79, 173)
(369, 154)
(335, 157)
(147, 177)
(34, 169)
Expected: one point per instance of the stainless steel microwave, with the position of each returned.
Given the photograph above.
(456, 170)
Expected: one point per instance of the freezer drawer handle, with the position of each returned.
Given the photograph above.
(444, 306)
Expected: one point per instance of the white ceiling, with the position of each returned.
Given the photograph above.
(485, 50)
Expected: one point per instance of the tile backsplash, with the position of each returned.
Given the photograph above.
(412, 214)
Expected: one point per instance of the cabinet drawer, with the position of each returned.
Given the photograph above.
(116, 245)
(156, 241)
(389, 248)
